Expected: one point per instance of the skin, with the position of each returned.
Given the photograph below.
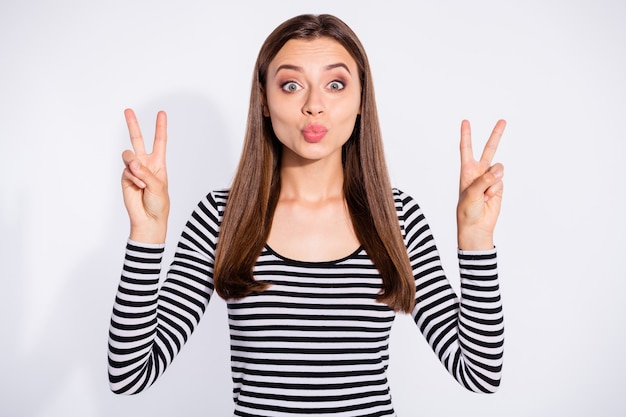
(311, 221)
(144, 182)
(312, 82)
(480, 191)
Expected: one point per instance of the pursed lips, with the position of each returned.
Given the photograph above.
(314, 133)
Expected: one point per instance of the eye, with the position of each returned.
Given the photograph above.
(335, 85)
(291, 86)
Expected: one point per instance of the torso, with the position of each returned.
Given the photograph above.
(315, 342)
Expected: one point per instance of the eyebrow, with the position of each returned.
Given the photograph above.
(299, 69)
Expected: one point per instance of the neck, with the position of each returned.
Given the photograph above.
(311, 181)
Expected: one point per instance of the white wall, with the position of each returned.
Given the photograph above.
(553, 69)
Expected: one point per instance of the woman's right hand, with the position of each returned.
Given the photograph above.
(144, 182)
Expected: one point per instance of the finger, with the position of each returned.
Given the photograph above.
(467, 154)
(142, 173)
(135, 132)
(497, 170)
(496, 188)
(494, 191)
(493, 141)
(489, 179)
(128, 157)
(133, 170)
(160, 136)
(128, 176)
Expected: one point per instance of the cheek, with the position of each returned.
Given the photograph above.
(349, 110)
(278, 109)
(347, 127)
(285, 120)
(349, 105)
(279, 120)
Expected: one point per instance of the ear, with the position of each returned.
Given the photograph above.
(266, 110)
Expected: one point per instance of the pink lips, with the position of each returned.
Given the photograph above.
(314, 133)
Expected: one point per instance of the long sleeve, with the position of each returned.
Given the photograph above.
(466, 334)
(151, 323)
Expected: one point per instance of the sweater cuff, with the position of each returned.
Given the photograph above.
(476, 254)
(143, 261)
(145, 247)
(478, 265)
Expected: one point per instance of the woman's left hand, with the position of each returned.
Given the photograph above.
(480, 192)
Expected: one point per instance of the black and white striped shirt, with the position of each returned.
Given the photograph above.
(316, 341)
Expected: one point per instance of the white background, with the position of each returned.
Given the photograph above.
(554, 69)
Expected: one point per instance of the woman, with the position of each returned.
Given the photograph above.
(316, 252)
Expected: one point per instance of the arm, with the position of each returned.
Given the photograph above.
(150, 325)
(467, 335)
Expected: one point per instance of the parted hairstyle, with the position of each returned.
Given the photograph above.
(256, 186)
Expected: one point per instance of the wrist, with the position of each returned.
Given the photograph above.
(475, 241)
(153, 235)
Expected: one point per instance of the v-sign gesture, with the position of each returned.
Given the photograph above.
(144, 182)
(480, 191)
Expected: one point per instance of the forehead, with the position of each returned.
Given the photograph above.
(320, 51)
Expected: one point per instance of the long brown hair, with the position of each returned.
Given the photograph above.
(254, 193)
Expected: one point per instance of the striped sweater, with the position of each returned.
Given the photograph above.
(316, 341)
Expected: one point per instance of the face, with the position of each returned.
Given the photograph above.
(313, 96)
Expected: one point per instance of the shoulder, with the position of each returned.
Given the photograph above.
(405, 203)
(412, 221)
(218, 198)
(211, 207)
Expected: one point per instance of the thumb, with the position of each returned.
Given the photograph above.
(146, 176)
(490, 180)
(137, 172)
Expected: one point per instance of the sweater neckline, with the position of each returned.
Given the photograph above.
(287, 260)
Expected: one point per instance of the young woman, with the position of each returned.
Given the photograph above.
(312, 249)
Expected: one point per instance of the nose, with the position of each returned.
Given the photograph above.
(314, 104)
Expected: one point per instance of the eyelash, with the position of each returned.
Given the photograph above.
(284, 86)
(343, 85)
